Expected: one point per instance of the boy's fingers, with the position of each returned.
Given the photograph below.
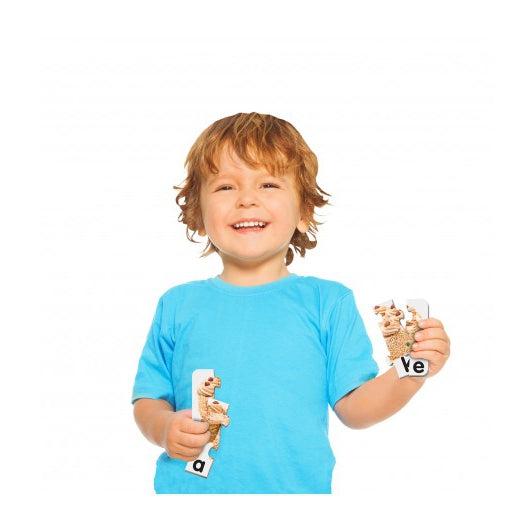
(431, 355)
(194, 440)
(188, 451)
(194, 426)
(431, 344)
(427, 323)
(192, 443)
(431, 333)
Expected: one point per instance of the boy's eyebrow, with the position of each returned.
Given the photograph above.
(264, 176)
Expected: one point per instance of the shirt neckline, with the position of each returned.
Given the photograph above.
(233, 289)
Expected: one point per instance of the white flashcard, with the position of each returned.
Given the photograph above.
(408, 366)
(207, 408)
(419, 310)
(198, 377)
(214, 401)
(421, 307)
(201, 466)
(399, 338)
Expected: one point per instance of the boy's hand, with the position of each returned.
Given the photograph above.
(432, 344)
(184, 438)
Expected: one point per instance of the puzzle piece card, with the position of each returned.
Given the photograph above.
(201, 465)
(198, 377)
(206, 407)
(399, 339)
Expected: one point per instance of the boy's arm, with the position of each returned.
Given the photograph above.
(150, 416)
(377, 399)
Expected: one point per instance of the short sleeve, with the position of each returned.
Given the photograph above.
(349, 350)
(153, 378)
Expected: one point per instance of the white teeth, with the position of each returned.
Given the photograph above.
(250, 224)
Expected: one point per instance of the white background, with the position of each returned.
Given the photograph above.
(419, 115)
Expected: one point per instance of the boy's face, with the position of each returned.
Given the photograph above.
(239, 192)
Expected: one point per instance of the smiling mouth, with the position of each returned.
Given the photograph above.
(248, 230)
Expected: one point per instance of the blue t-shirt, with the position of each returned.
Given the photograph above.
(284, 351)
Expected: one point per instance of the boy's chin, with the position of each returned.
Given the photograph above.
(257, 259)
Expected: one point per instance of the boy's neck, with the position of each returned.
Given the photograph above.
(252, 276)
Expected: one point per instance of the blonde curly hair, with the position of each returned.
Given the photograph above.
(260, 140)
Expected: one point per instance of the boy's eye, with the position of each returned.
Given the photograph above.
(228, 186)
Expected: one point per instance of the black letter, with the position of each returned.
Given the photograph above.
(202, 465)
(418, 366)
(405, 363)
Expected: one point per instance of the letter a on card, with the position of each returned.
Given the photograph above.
(206, 408)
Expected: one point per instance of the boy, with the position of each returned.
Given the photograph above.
(284, 346)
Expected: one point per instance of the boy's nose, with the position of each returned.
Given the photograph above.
(248, 202)
(247, 196)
